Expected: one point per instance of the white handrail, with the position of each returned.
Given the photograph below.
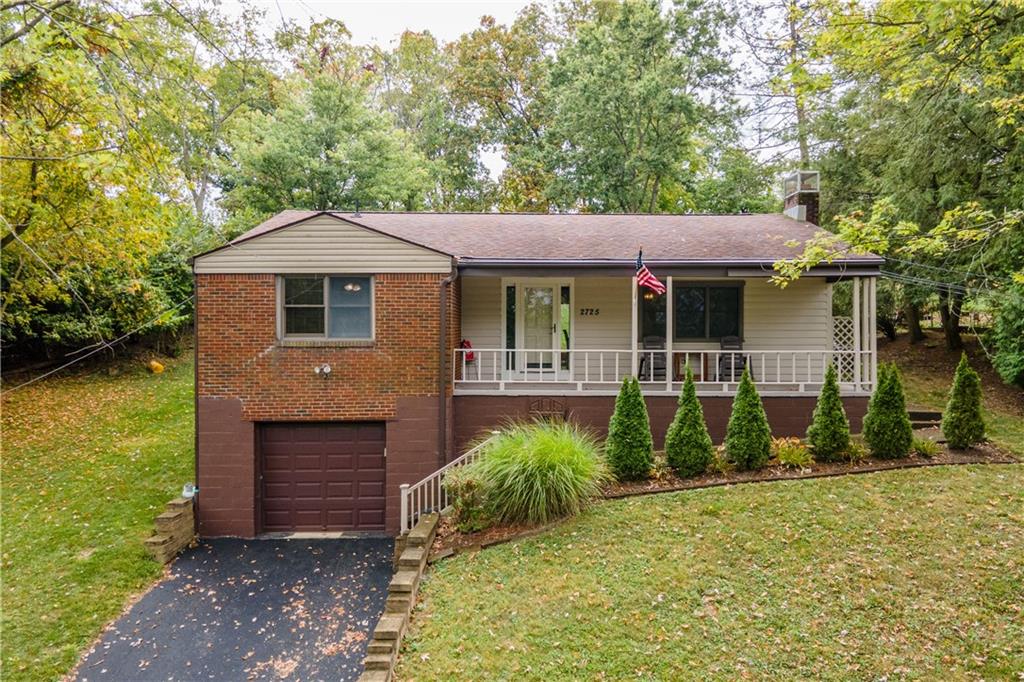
(796, 367)
(429, 494)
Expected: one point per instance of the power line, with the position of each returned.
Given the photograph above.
(106, 344)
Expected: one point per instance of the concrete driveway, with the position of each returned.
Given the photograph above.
(252, 610)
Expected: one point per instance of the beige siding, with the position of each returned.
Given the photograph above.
(323, 244)
(481, 323)
(793, 319)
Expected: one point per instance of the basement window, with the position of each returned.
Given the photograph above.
(327, 307)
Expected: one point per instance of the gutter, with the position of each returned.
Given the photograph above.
(442, 375)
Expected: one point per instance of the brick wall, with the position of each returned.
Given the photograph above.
(788, 415)
(245, 376)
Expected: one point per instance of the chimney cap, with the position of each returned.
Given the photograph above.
(801, 181)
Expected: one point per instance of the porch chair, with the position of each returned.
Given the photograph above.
(731, 365)
(653, 365)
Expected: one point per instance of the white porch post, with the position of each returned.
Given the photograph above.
(633, 335)
(856, 333)
(669, 334)
(872, 331)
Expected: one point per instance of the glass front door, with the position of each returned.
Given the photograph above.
(539, 326)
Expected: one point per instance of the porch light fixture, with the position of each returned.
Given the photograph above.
(648, 295)
(322, 371)
(353, 286)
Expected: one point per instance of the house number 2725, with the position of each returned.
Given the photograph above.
(590, 311)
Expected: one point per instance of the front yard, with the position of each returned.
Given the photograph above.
(88, 461)
(915, 574)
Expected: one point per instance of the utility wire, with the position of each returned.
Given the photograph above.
(106, 344)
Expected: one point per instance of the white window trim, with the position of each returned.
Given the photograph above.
(324, 338)
(556, 283)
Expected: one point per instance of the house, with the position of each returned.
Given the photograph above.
(340, 355)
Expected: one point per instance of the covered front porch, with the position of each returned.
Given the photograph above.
(525, 335)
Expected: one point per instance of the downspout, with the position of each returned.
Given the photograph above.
(195, 395)
(442, 374)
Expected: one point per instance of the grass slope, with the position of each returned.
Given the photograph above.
(915, 574)
(87, 463)
(928, 373)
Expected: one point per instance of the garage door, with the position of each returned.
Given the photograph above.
(318, 477)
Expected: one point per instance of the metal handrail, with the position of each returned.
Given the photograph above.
(429, 494)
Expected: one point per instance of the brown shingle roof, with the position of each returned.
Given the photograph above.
(583, 237)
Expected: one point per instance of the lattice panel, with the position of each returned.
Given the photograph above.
(842, 333)
(842, 339)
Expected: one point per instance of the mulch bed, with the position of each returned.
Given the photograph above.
(450, 541)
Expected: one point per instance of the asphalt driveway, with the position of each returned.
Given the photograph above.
(252, 610)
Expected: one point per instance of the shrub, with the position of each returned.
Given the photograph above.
(829, 432)
(720, 463)
(748, 438)
(962, 424)
(688, 446)
(629, 447)
(538, 471)
(466, 491)
(855, 452)
(1008, 336)
(791, 453)
(925, 448)
(887, 429)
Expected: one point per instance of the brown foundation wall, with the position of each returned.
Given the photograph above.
(788, 416)
(226, 469)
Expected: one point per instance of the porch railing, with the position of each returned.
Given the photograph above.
(795, 369)
(429, 495)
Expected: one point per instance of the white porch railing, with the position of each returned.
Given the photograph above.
(429, 495)
(790, 370)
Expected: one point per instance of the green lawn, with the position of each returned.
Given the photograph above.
(915, 574)
(87, 463)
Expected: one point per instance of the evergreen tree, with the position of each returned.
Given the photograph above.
(630, 448)
(688, 446)
(748, 438)
(829, 433)
(887, 427)
(962, 424)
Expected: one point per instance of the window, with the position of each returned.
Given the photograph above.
(707, 312)
(328, 307)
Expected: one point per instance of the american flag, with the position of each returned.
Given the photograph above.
(644, 277)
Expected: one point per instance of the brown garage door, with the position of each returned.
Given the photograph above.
(318, 477)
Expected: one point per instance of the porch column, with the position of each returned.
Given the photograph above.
(856, 333)
(669, 334)
(873, 331)
(633, 335)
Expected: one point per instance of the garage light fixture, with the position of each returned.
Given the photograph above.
(323, 370)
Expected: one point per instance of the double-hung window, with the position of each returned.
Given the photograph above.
(331, 307)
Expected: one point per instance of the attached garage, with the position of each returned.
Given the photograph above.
(322, 476)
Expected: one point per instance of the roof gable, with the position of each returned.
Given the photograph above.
(319, 242)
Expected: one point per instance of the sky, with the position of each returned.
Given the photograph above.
(382, 22)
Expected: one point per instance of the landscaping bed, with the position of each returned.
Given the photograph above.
(450, 541)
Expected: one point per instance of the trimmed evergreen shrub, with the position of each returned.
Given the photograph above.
(748, 438)
(962, 424)
(688, 446)
(630, 448)
(829, 432)
(887, 429)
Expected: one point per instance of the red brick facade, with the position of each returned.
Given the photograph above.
(245, 375)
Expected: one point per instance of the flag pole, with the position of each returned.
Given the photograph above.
(633, 326)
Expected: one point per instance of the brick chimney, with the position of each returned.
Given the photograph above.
(800, 189)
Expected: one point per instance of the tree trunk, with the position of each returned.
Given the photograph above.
(798, 102)
(949, 310)
(914, 322)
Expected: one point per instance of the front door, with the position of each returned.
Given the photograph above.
(539, 327)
